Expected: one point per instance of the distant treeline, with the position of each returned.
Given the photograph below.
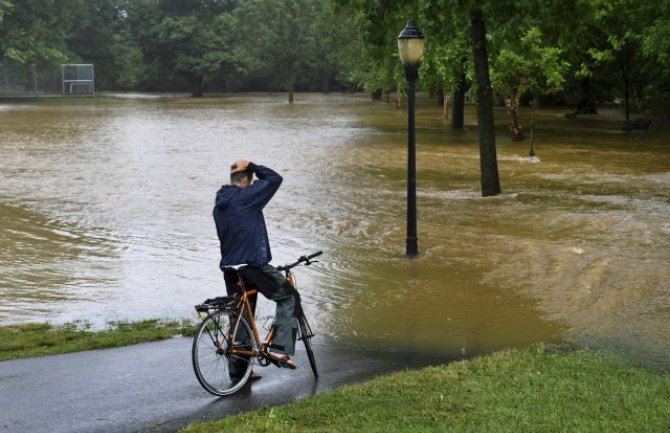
(578, 52)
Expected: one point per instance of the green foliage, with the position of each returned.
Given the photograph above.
(529, 65)
(379, 22)
(190, 41)
(656, 39)
(620, 45)
(280, 42)
(127, 61)
(5, 6)
(656, 64)
(34, 31)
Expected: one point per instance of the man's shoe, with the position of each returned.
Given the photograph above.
(281, 360)
(254, 376)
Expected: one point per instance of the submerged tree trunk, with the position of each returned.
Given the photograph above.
(398, 98)
(445, 106)
(512, 106)
(440, 96)
(197, 86)
(536, 97)
(487, 139)
(443, 101)
(587, 98)
(458, 110)
(626, 80)
(325, 81)
(291, 89)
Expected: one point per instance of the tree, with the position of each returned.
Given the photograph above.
(448, 63)
(377, 18)
(487, 138)
(379, 22)
(344, 46)
(281, 44)
(529, 65)
(656, 49)
(186, 39)
(632, 58)
(196, 45)
(100, 35)
(34, 31)
(127, 67)
(471, 15)
(5, 6)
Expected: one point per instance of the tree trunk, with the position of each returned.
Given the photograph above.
(458, 110)
(487, 139)
(536, 98)
(291, 87)
(512, 106)
(442, 101)
(587, 98)
(626, 81)
(197, 86)
(398, 98)
(376, 95)
(445, 106)
(326, 79)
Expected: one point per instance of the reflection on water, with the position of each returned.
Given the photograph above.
(106, 214)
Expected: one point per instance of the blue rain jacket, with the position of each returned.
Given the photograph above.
(238, 214)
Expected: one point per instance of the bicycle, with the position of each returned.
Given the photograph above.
(227, 342)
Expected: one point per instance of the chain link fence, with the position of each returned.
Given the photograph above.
(19, 81)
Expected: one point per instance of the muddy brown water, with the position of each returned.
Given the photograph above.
(106, 215)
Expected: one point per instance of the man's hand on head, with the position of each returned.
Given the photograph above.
(239, 165)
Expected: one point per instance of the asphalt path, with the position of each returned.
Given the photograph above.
(152, 388)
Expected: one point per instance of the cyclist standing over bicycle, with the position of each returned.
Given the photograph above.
(240, 225)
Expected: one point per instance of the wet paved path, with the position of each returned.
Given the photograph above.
(152, 388)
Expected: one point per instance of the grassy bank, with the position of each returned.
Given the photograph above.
(38, 339)
(537, 390)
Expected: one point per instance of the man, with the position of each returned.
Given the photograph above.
(240, 225)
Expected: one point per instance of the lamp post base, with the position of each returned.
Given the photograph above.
(412, 248)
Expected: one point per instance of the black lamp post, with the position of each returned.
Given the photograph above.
(410, 47)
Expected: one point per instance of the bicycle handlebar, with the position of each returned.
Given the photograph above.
(302, 259)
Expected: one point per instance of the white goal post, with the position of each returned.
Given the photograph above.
(78, 80)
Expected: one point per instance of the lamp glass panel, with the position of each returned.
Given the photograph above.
(411, 50)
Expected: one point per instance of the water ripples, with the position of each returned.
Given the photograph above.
(107, 216)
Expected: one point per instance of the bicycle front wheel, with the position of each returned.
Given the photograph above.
(219, 371)
(306, 337)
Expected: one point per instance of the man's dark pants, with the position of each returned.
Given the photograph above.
(274, 286)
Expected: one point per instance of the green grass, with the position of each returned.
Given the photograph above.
(536, 390)
(39, 339)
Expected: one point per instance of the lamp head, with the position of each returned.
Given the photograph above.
(410, 45)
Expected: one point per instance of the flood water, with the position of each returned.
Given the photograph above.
(106, 215)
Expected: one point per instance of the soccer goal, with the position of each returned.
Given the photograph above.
(78, 80)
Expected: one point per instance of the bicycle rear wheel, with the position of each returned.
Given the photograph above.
(306, 337)
(219, 372)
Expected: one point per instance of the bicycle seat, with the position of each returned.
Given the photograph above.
(233, 268)
(218, 303)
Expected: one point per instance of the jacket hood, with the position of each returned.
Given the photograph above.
(225, 195)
